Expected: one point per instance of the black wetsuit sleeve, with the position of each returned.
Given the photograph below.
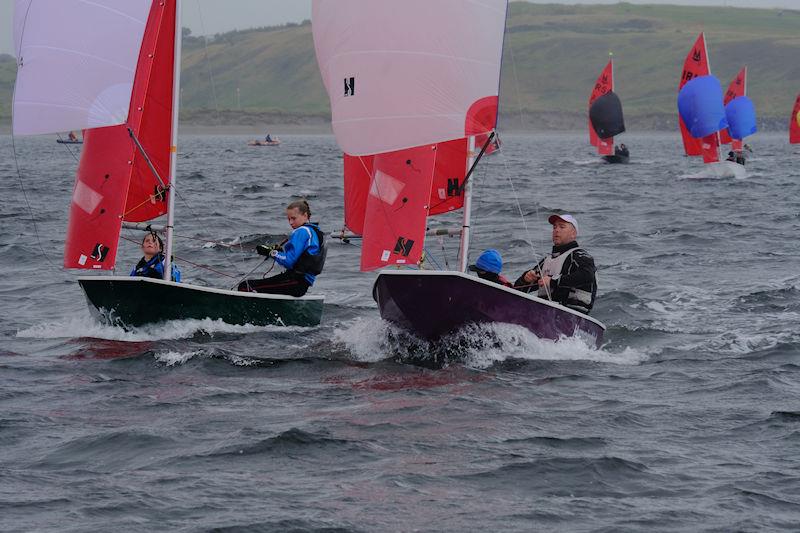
(579, 273)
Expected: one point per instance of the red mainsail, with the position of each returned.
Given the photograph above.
(446, 190)
(737, 88)
(696, 64)
(604, 84)
(114, 181)
(794, 123)
(357, 179)
(397, 207)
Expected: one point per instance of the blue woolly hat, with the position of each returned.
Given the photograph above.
(490, 261)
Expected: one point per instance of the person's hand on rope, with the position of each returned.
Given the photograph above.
(531, 277)
(268, 250)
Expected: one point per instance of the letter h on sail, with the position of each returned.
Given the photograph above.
(349, 86)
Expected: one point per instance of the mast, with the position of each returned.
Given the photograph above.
(463, 252)
(611, 60)
(173, 143)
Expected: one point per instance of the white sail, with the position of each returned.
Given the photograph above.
(404, 73)
(76, 62)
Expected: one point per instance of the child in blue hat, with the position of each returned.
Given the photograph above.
(488, 267)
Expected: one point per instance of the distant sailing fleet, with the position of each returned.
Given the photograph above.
(708, 118)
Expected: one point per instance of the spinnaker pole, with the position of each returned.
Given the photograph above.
(173, 144)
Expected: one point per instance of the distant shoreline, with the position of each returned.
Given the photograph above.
(259, 124)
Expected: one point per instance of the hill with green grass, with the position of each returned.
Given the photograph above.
(552, 56)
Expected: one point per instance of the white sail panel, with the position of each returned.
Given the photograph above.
(76, 62)
(403, 73)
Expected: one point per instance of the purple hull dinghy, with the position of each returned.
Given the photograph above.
(431, 304)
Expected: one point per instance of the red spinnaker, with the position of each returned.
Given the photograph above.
(794, 123)
(696, 64)
(397, 207)
(604, 84)
(114, 182)
(737, 88)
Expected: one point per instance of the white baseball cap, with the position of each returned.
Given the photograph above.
(565, 218)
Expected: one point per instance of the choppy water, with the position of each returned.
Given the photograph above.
(687, 419)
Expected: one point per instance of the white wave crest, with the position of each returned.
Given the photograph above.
(176, 358)
(86, 326)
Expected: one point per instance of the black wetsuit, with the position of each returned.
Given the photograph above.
(576, 287)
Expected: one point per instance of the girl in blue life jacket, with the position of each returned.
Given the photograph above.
(302, 255)
(151, 265)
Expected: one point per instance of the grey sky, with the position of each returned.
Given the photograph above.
(207, 17)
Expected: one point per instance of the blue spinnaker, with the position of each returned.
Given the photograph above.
(700, 106)
(741, 115)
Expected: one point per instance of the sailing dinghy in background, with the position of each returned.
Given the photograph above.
(605, 117)
(794, 122)
(118, 83)
(740, 114)
(414, 88)
(701, 113)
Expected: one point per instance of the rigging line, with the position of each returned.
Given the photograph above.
(525, 223)
(184, 260)
(30, 209)
(429, 256)
(254, 269)
(516, 84)
(205, 54)
(68, 148)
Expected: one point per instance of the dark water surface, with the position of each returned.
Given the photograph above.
(688, 419)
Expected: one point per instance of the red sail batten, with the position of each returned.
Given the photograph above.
(113, 181)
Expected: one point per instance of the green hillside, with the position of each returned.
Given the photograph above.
(553, 53)
(558, 51)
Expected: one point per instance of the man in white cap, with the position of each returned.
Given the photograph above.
(567, 275)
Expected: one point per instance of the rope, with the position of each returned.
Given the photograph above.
(66, 146)
(256, 268)
(149, 199)
(183, 259)
(27, 203)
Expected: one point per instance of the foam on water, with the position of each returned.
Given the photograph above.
(715, 171)
(476, 346)
(172, 358)
(364, 338)
(76, 327)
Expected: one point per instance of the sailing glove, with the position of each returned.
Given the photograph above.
(268, 250)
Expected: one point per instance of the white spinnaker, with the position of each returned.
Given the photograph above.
(404, 73)
(76, 62)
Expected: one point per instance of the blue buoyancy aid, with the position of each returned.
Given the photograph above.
(154, 268)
